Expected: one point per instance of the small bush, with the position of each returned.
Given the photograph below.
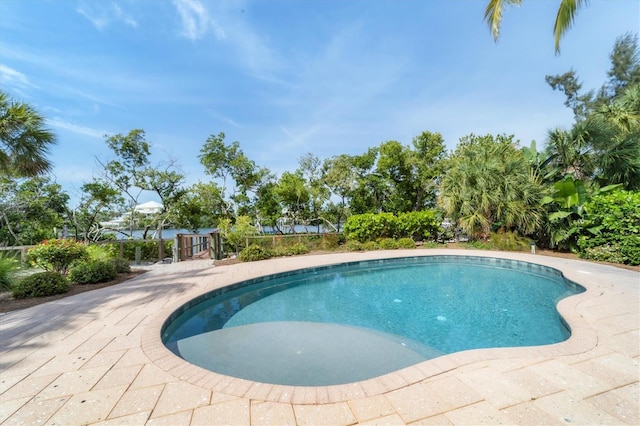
(94, 271)
(406, 243)
(477, 244)
(353, 245)
(122, 265)
(509, 241)
(605, 253)
(369, 246)
(433, 244)
(630, 248)
(99, 252)
(295, 249)
(57, 255)
(40, 285)
(331, 241)
(255, 252)
(8, 269)
(388, 244)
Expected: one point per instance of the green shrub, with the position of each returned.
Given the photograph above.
(369, 246)
(419, 226)
(406, 243)
(295, 249)
(331, 241)
(122, 265)
(254, 252)
(630, 248)
(299, 248)
(432, 244)
(388, 244)
(8, 268)
(612, 220)
(604, 253)
(353, 245)
(40, 284)
(57, 255)
(94, 271)
(509, 241)
(370, 226)
(477, 244)
(99, 252)
(148, 249)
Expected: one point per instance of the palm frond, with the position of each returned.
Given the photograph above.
(493, 14)
(564, 19)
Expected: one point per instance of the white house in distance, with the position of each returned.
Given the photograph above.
(148, 209)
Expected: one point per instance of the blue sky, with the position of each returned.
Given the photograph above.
(288, 77)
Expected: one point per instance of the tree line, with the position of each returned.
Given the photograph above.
(487, 183)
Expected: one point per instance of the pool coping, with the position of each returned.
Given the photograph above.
(583, 338)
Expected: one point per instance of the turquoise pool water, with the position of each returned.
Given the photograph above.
(350, 322)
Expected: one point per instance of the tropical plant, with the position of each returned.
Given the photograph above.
(566, 207)
(24, 141)
(488, 185)
(57, 255)
(564, 18)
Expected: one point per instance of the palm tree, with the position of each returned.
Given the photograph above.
(617, 149)
(489, 185)
(24, 142)
(564, 18)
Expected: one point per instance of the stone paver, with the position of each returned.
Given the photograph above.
(97, 358)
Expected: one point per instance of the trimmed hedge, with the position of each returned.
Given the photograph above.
(39, 285)
(419, 226)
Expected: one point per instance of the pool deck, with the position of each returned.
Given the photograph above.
(97, 358)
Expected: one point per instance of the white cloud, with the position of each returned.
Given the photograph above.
(224, 118)
(86, 131)
(102, 15)
(9, 76)
(123, 17)
(221, 18)
(196, 21)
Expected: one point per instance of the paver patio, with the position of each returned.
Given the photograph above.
(97, 358)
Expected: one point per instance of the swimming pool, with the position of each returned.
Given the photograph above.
(349, 322)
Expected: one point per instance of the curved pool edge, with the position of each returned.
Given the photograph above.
(583, 336)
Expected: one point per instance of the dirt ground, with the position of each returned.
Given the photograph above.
(8, 303)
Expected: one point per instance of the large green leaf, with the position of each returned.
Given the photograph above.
(558, 215)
